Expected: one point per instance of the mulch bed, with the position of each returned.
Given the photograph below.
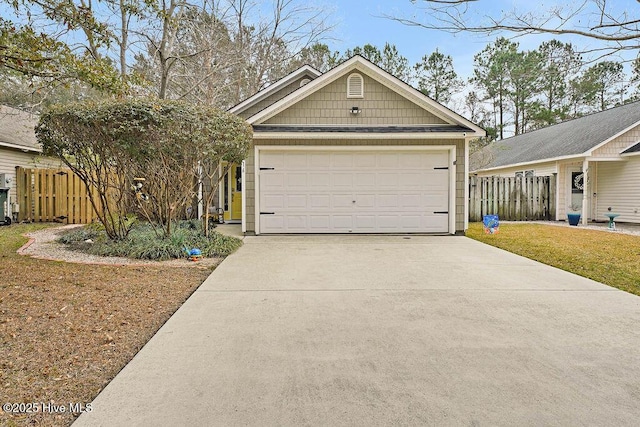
(67, 329)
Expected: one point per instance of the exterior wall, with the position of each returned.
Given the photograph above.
(330, 106)
(618, 188)
(10, 158)
(273, 98)
(541, 169)
(460, 169)
(619, 144)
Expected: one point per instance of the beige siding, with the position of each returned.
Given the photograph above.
(10, 158)
(330, 106)
(250, 167)
(618, 188)
(541, 169)
(619, 144)
(273, 98)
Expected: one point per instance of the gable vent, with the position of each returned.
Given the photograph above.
(355, 86)
(304, 82)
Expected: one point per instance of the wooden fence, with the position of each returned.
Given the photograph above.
(46, 195)
(512, 199)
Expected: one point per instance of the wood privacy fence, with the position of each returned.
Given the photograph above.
(511, 198)
(46, 195)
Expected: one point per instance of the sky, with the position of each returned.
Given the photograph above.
(359, 22)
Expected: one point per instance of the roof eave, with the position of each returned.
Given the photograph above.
(360, 135)
(20, 147)
(279, 84)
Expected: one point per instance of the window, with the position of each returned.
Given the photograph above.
(525, 174)
(355, 86)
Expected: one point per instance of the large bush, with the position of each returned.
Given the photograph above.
(108, 144)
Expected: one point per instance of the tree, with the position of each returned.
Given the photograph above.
(606, 21)
(437, 78)
(601, 85)
(389, 59)
(560, 61)
(523, 71)
(319, 56)
(111, 144)
(29, 52)
(491, 76)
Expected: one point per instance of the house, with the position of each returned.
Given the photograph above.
(353, 150)
(18, 147)
(596, 160)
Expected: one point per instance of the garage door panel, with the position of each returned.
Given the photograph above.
(342, 201)
(320, 201)
(342, 222)
(297, 201)
(353, 192)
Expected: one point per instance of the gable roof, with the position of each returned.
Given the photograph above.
(304, 71)
(573, 138)
(634, 149)
(360, 64)
(17, 129)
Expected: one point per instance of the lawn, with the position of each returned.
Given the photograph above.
(67, 329)
(609, 258)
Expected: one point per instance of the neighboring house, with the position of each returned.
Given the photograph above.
(353, 150)
(604, 147)
(19, 147)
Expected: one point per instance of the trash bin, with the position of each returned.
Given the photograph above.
(5, 219)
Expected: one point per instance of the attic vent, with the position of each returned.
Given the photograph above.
(355, 86)
(304, 82)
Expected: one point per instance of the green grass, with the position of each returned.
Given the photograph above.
(11, 236)
(144, 243)
(609, 258)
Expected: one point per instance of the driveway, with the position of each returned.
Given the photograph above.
(373, 330)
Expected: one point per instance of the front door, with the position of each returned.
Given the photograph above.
(232, 194)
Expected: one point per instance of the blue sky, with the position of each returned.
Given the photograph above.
(359, 22)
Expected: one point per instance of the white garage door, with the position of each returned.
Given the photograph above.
(353, 191)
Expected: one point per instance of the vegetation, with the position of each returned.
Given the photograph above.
(111, 144)
(143, 243)
(79, 324)
(609, 258)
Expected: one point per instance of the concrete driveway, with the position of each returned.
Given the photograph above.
(371, 330)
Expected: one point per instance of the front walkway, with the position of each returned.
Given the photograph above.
(375, 330)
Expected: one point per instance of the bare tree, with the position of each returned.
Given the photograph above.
(602, 20)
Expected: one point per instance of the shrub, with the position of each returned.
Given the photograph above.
(143, 243)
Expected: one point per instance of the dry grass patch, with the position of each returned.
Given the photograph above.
(67, 329)
(609, 258)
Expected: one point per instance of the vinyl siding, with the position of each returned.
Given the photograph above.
(330, 106)
(10, 158)
(619, 188)
(541, 169)
(250, 168)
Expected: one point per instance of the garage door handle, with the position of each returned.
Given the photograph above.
(441, 212)
(441, 168)
(267, 169)
(267, 213)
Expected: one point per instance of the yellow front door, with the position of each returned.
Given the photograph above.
(232, 194)
(236, 192)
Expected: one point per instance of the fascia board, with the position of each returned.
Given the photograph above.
(257, 97)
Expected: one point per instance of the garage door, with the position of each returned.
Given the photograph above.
(353, 191)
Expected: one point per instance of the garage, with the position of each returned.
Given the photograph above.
(347, 190)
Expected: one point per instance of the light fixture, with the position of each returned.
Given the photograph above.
(355, 110)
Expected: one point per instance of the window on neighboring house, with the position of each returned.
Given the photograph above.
(355, 86)
(524, 174)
